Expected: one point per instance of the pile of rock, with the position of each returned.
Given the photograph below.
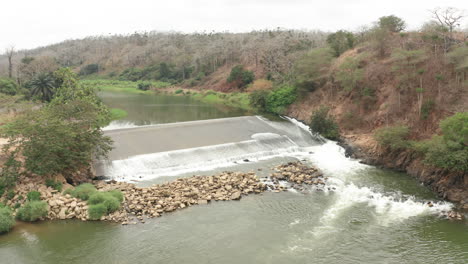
(297, 174)
(162, 198)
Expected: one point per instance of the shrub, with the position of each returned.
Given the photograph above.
(240, 77)
(321, 122)
(144, 86)
(89, 69)
(426, 109)
(117, 194)
(179, 91)
(258, 100)
(10, 194)
(96, 211)
(8, 86)
(111, 200)
(54, 184)
(393, 137)
(392, 23)
(7, 221)
(32, 211)
(449, 151)
(83, 191)
(34, 196)
(280, 98)
(112, 204)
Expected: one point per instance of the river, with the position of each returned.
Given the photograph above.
(365, 215)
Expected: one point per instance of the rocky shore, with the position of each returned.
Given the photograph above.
(149, 202)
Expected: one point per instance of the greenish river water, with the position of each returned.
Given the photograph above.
(365, 215)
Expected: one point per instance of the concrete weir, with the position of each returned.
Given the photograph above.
(166, 148)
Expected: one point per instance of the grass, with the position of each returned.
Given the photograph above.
(122, 86)
(117, 113)
(239, 100)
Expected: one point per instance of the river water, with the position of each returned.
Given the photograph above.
(365, 215)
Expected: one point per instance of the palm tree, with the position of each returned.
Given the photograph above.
(43, 85)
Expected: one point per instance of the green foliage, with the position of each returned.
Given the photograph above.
(109, 200)
(455, 130)
(394, 137)
(32, 211)
(82, 191)
(324, 124)
(258, 100)
(89, 69)
(117, 194)
(7, 221)
(96, 211)
(58, 137)
(240, 77)
(179, 91)
(341, 41)
(144, 86)
(43, 86)
(8, 86)
(34, 196)
(54, 184)
(349, 73)
(10, 194)
(426, 109)
(392, 23)
(280, 98)
(311, 71)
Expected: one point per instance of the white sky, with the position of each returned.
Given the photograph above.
(33, 23)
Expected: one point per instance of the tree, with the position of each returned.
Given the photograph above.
(392, 23)
(311, 70)
(9, 53)
(449, 17)
(324, 124)
(341, 41)
(43, 86)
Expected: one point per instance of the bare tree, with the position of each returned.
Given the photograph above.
(449, 17)
(9, 53)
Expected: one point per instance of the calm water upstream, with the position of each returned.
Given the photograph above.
(371, 216)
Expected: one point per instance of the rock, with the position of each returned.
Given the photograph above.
(62, 214)
(236, 195)
(202, 202)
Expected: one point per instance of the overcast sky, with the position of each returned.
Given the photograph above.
(33, 23)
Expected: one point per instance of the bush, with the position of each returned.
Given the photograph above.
(280, 98)
(83, 191)
(7, 221)
(96, 211)
(111, 201)
(258, 100)
(179, 91)
(321, 122)
(8, 86)
(34, 196)
(89, 69)
(393, 137)
(32, 211)
(449, 151)
(240, 77)
(56, 185)
(144, 86)
(10, 194)
(392, 23)
(117, 194)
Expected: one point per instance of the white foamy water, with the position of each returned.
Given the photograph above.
(119, 124)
